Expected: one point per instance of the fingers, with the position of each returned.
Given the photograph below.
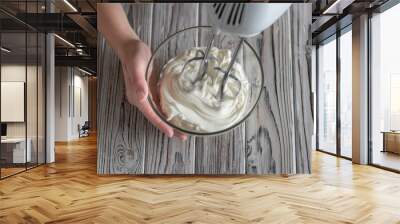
(155, 120)
(180, 135)
(136, 84)
(137, 89)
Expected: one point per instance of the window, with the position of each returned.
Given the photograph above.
(335, 74)
(346, 93)
(385, 89)
(327, 97)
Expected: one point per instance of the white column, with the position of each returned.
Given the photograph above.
(360, 90)
(50, 92)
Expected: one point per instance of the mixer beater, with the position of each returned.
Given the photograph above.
(238, 19)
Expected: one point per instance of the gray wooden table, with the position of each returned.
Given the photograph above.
(275, 139)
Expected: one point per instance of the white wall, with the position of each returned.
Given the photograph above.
(80, 84)
(12, 101)
(62, 81)
(17, 73)
(69, 82)
(14, 73)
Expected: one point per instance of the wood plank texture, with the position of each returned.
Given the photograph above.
(269, 128)
(120, 125)
(275, 131)
(225, 153)
(301, 56)
(275, 139)
(164, 155)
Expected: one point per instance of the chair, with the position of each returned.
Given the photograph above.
(84, 130)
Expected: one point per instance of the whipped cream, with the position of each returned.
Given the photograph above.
(197, 106)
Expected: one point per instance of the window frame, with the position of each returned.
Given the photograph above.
(334, 37)
(378, 10)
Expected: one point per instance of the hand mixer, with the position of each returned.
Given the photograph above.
(237, 19)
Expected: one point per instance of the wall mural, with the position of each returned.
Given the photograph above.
(274, 139)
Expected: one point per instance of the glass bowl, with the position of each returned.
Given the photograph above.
(199, 36)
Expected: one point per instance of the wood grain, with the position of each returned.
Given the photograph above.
(278, 134)
(163, 155)
(121, 141)
(269, 136)
(301, 54)
(275, 138)
(70, 191)
(224, 153)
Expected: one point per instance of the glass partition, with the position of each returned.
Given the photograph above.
(31, 100)
(41, 111)
(35, 49)
(346, 93)
(385, 89)
(23, 91)
(14, 153)
(327, 96)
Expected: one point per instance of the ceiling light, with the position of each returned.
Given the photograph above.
(70, 5)
(79, 51)
(5, 50)
(337, 7)
(84, 71)
(65, 41)
(326, 11)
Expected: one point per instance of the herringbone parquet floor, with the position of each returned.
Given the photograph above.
(69, 191)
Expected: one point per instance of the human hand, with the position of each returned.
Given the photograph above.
(134, 57)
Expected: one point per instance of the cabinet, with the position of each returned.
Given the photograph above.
(13, 150)
(391, 142)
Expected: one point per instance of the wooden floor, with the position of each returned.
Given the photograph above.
(10, 171)
(69, 191)
(5, 172)
(387, 159)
